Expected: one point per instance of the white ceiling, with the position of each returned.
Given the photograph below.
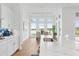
(12, 6)
(41, 5)
(49, 5)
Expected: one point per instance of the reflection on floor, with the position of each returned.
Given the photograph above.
(29, 46)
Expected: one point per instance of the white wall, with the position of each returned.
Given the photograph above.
(24, 24)
(25, 28)
(68, 34)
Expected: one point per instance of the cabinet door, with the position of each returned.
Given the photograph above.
(16, 44)
(3, 49)
(11, 45)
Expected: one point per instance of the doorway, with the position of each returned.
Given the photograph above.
(40, 24)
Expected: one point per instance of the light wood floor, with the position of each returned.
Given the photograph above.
(29, 47)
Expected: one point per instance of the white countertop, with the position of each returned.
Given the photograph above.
(6, 38)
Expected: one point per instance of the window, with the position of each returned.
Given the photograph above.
(49, 23)
(77, 28)
(33, 23)
(33, 27)
(41, 23)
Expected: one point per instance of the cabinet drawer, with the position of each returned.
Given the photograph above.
(3, 50)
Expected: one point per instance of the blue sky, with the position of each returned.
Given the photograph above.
(77, 23)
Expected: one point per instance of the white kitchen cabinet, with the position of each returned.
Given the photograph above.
(3, 48)
(16, 44)
(8, 46)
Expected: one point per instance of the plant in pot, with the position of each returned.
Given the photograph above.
(54, 32)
